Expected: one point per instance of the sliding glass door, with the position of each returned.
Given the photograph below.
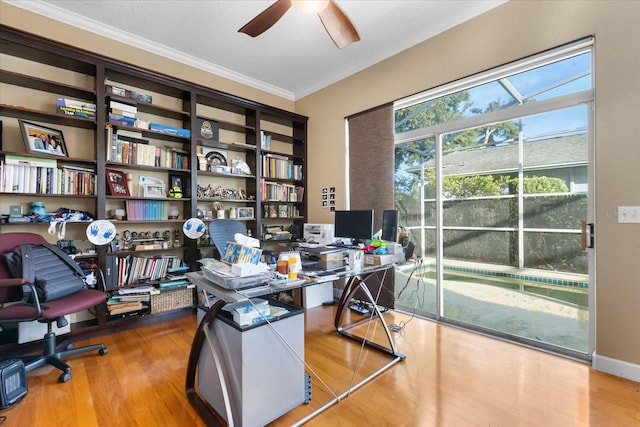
(511, 232)
(494, 192)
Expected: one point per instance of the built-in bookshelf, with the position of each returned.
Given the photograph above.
(144, 150)
(282, 178)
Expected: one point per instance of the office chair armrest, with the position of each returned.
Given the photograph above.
(13, 282)
(35, 303)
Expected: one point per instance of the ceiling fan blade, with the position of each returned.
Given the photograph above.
(266, 18)
(339, 27)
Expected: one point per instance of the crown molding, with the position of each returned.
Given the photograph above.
(101, 29)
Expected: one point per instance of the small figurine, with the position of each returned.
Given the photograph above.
(176, 238)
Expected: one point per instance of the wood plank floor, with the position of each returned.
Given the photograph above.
(450, 377)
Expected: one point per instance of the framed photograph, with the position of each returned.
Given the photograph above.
(117, 183)
(283, 211)
(153, 190)
(176, 181)
(42, 139)
(245, 212)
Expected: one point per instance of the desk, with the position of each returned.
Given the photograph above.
(357, 280)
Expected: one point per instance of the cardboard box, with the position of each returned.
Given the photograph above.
(372, 260)
(331, 260)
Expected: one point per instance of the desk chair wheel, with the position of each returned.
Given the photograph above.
(103, 351)
(64, 377)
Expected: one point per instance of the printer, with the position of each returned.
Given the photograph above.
(318, 233)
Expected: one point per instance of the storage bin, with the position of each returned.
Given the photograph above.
(174, 299)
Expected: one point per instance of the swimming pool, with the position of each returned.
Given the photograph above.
(573, 292)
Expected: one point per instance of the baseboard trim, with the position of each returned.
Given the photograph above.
(616, 367)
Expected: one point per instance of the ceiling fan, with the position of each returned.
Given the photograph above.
(337, 24)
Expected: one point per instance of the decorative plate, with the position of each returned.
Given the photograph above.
(101, 232)
(216, 158)
(193, 228)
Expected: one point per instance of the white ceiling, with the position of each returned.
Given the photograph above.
(292, 59)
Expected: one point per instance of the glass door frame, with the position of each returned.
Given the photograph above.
(582, 98)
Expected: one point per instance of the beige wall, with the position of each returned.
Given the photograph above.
(37, 24)
(514, 30)
(509, 32)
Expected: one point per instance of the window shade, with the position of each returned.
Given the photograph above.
(371, 161)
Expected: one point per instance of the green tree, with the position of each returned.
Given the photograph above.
(544, 184)
(499, 132)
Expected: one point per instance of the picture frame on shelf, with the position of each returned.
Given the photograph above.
(245, 212)
(176, 182)
(153, 190)
(117, 183)
(39, 139)
(214, 157)
(208, 129)
(151, 187)
(283, 211)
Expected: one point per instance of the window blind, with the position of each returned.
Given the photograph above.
(371, 161)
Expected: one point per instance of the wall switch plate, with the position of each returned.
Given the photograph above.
(628, 214)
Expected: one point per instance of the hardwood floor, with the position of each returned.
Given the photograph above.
(450, 377)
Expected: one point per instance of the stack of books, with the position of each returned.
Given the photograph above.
(70, 107)
(130, 300)
(122, 114)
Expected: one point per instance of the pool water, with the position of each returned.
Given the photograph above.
(566, 294)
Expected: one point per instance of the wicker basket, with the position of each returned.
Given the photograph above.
(168, 300)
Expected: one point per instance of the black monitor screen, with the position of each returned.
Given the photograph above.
(390, 225)
(356, 225)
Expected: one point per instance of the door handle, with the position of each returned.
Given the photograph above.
(587, 235)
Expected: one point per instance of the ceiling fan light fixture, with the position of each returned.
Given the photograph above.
(310, 6)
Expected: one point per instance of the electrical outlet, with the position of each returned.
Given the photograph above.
(628, 214)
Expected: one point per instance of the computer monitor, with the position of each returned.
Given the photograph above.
(389, 225)
(356, 225)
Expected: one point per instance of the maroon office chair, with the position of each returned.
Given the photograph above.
(46, 312)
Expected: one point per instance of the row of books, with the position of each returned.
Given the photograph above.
(130, 300)
(281, 192)
(133, 268)
(276, 166)
(128, 149)
(147, 210)
(265, 140)
(20, 174)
